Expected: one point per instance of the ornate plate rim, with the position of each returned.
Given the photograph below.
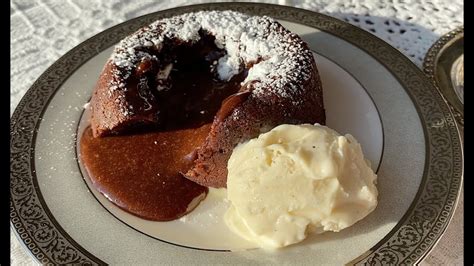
(408, 242)
(431, 64)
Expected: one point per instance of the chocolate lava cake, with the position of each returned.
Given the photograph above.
(241, 74)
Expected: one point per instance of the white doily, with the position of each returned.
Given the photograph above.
(43, 30)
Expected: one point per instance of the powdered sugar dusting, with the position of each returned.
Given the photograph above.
(281, 59)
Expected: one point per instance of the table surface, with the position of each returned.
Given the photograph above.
(43, 30)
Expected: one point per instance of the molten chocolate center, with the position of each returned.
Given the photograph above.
(141, 172)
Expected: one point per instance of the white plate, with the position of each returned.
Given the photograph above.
(370, 91)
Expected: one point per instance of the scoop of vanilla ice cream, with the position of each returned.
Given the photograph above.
(297, 179)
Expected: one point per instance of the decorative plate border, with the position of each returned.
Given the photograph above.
(411, 239)
(430, 65)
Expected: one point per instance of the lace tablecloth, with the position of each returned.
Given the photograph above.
(43, 30)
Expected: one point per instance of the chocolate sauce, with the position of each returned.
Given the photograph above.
(229, 104)
(141, 172)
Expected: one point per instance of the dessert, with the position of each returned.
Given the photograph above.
(297, 179)
(182, 95)
(175, 73)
